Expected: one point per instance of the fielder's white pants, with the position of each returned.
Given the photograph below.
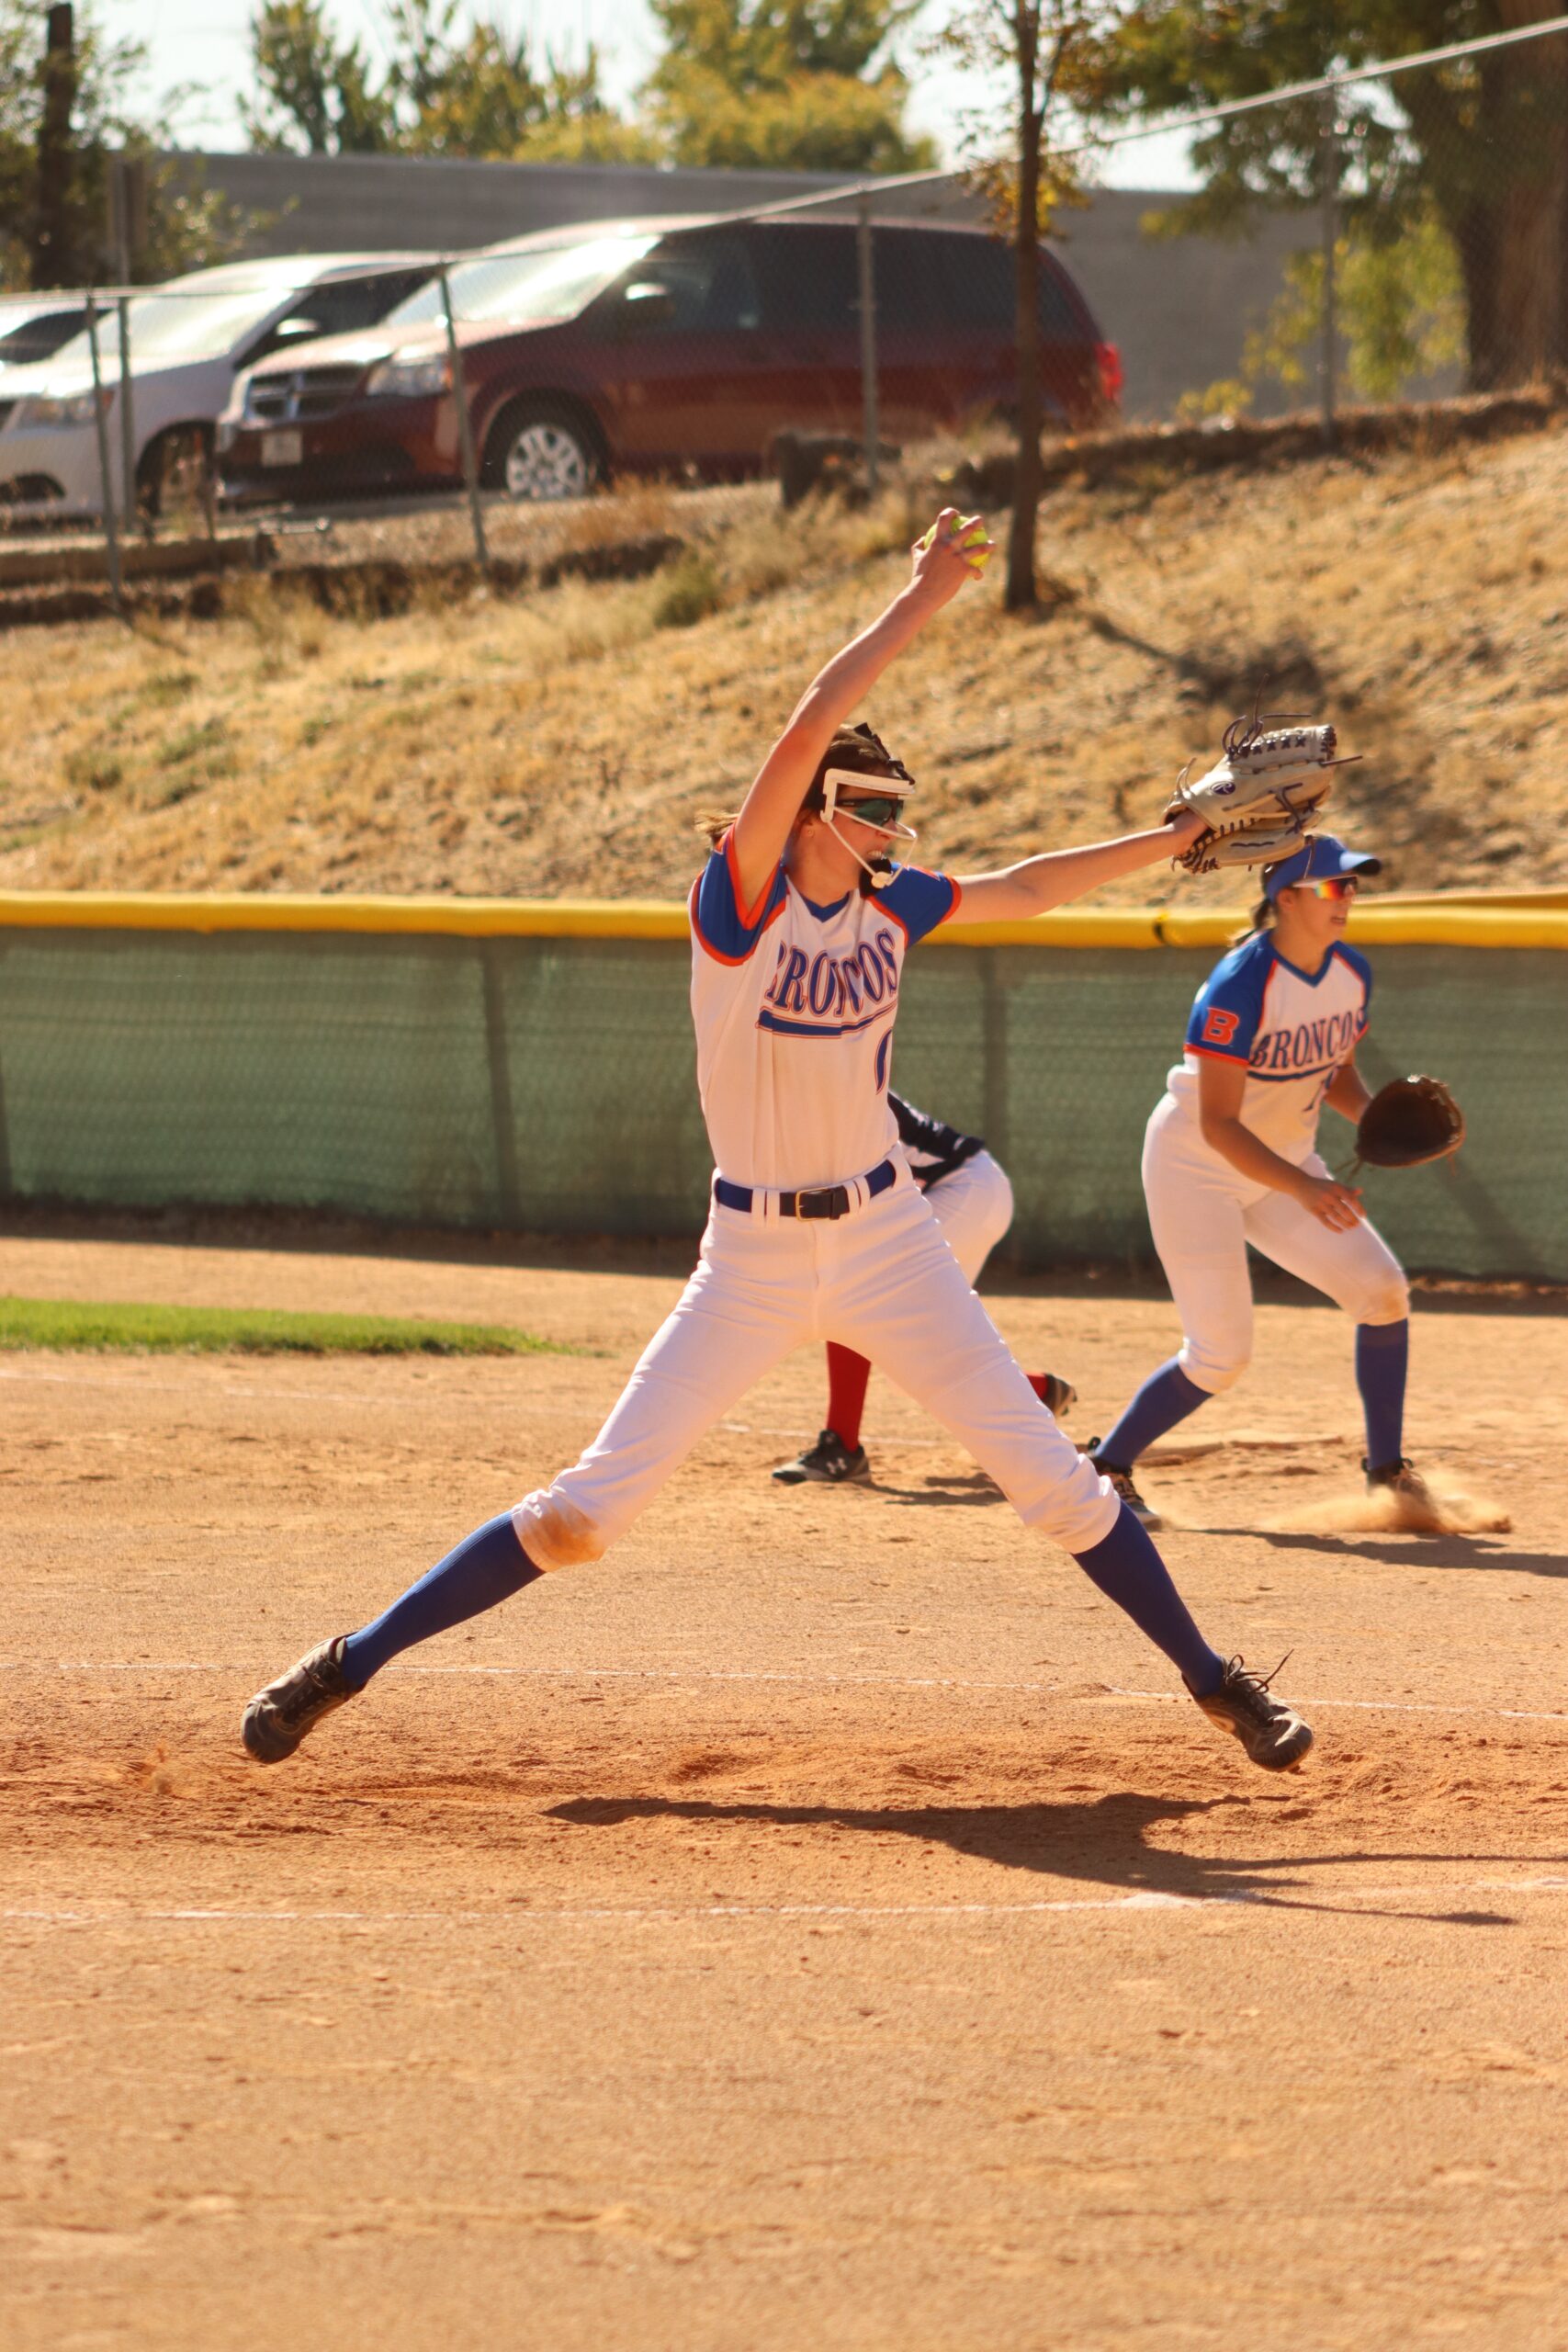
(973, 1208)
(1203, 1213)
(882, 1281)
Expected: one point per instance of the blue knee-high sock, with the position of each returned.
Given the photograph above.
(1382, 1361)
(1129, 1571)
(1166, 1397)
(487, 1566)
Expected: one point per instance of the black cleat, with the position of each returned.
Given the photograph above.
(1122, 1482)
(828, 1463)
(1400, 1477)
(1272, 1733)
(279, 1718)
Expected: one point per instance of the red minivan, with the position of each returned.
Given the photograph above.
(660, 347)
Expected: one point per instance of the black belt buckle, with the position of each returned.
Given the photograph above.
(834, 1203)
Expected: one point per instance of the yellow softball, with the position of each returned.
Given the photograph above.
(969, 531)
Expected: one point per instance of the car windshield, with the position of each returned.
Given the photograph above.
(167, 328)
(535, 288)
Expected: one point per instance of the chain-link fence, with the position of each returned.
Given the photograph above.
(1395, 232)
(531, 1082)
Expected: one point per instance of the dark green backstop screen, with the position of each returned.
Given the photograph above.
(547, 1085)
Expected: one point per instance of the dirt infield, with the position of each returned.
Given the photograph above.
(819, 1925)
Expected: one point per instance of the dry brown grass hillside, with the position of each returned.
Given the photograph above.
(560, 744)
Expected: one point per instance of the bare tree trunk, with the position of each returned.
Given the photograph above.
(53, 261)
(1021, 591)
(1531, 259)
(1500, 180)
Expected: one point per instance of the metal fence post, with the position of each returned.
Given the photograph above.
(872, 427)
(128, 420)
(1330, 238)
(111, 536)
(465, 425)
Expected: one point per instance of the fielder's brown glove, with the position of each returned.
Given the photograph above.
(1261, 798)
(1408, 1122)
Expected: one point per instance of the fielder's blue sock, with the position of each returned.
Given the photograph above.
(1129, 1571)
(1166, 1397)
(1382, 1361)
(487, 1566)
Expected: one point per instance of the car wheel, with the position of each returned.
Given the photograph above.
(538, 452)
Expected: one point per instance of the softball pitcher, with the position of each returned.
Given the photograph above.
(1230, 1158)
(969, 1194)
(818, 1230)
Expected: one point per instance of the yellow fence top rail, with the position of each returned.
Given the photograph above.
(1477, 920)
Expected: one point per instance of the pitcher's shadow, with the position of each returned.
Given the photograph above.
(1102, 1843)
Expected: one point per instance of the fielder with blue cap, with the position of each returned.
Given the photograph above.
(1231, 1157)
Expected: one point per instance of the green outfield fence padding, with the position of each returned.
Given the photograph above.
(543, 1078)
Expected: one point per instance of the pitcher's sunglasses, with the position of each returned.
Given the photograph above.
(1335, 886)
(873, 809)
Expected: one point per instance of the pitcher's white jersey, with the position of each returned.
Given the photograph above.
(793, 1006)
(1292, 1029)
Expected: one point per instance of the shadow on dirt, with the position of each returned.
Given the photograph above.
(1104, 1843)
(1419, 1550)
(973, 1489)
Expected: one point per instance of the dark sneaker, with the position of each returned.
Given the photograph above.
(1122, 1482)
(279, 1718)
(1058, 1395)
(1272, 1733)
(828, 1463)
(1419, 1508)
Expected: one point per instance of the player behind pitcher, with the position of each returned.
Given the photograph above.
(972, 1198)
(818, 1230)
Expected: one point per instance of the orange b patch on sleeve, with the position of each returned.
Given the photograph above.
(1219, 1027)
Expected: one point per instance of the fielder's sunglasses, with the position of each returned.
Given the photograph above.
(1335, 886)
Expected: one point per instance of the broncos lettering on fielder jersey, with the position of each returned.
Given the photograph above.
(1292, 1029)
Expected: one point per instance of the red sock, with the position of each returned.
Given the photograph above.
(847, 1376)
(1037, 1380)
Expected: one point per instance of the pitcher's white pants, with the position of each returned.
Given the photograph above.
(882, 1281)
(973, 1208)
(1203, 1213)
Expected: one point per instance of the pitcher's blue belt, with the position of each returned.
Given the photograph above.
(837, 1201)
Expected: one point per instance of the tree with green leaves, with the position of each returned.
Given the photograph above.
(446, 90)
(1479, 145)
(1043, 52)
(783, 84)
(188, 225)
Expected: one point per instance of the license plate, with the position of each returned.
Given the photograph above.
(283, 449)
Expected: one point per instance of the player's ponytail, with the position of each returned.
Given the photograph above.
(1265, 914)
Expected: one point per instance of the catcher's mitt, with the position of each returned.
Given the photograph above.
(1260, 800)
(1409, 1121)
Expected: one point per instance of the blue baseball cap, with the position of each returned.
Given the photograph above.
(1320, 858)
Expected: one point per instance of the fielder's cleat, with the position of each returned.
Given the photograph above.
(1272, 1733)
(828, 1463)
(1420, 1513)
(279, 1718)
(1122, 1482)
(1401, 1476)
(1058, 1395)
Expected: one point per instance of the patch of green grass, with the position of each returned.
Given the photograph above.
(65, 1323)
(209, 742)
(92, 770)
(167, 687)
(688, 593)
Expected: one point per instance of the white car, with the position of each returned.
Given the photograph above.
(188, 340)
(33, 326)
